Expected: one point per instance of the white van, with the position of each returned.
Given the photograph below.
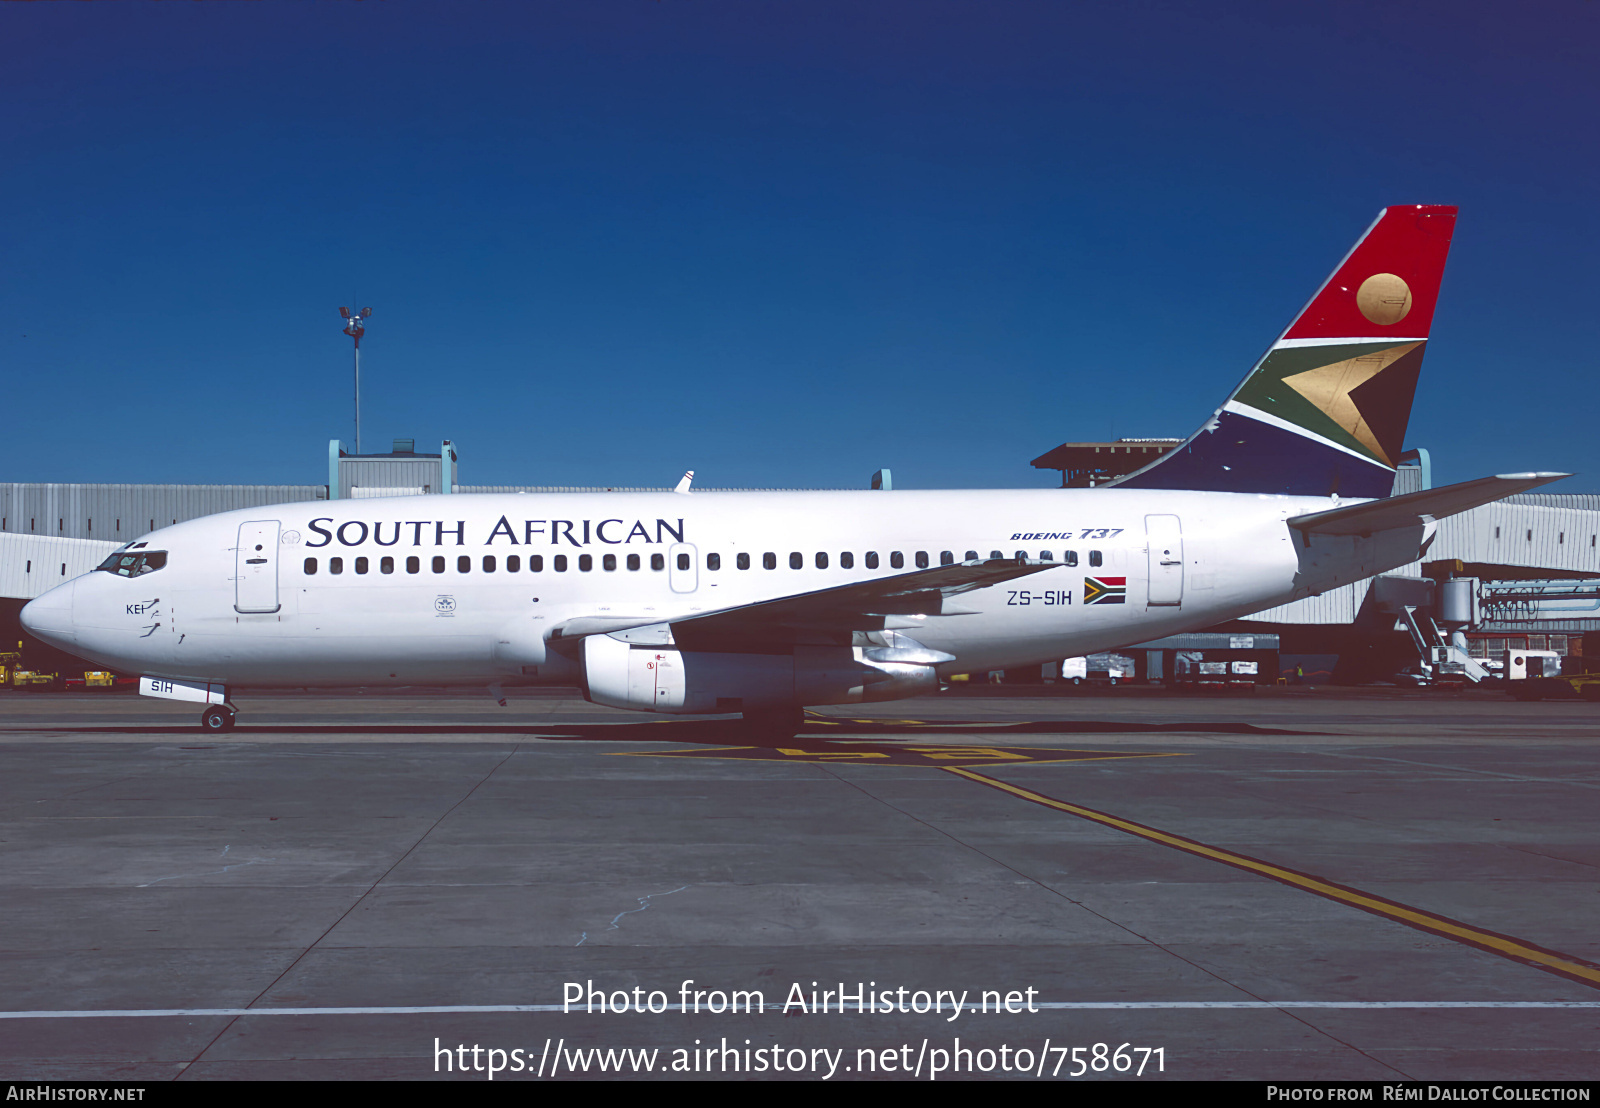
(1112, 667)
(1523, 664)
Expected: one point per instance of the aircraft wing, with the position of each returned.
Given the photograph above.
(825, 616)
(1414, 508)
(830, 615)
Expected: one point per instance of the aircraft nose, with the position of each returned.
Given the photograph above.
(49, 617)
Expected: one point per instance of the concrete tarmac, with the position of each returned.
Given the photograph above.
(1300, 884)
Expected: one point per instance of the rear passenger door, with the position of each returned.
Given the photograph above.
(1165, 536)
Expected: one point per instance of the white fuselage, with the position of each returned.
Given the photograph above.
(221, 611)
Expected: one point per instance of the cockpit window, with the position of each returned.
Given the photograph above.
(126, 563)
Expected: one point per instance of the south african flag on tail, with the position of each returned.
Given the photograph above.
(1105, 590)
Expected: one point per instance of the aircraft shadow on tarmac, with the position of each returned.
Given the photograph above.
(708, 732)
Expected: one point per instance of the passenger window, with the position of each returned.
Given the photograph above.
(513, 563)
(897, 560)
(946, 558)
(822, 560)
(335, 565)
(489, 563)
(633, 561)
(559, 563)
(464, 563)
(1070, 557)
(847, 560)
(769, 560)
(585, 562)
(796, 560)
(608, 562)
(683, 561)
(311, 567)
(361, 565)
(1046, 556)
(1095, 559)
(922, 559)
(386, 565)
(713, 561)
(742, 561)
(972, 556)
(535, 563)
(1022, 555)
(413, 564)
(438, 563)
(658, 562)
(872, 559)
(996, 554)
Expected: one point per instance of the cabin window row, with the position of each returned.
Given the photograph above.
(609, 562)
(897, 559)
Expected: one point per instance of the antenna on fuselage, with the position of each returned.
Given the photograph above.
(683, 485)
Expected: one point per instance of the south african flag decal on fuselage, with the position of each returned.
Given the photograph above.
(1105, 590)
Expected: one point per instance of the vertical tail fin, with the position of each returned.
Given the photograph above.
(1325, 410)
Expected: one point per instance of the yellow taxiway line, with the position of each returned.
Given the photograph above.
(1507, 946)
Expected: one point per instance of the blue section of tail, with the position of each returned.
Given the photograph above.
(1235, 453)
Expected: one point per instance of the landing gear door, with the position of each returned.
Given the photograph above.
(1165, 536)
(256, 567)
(682, 571)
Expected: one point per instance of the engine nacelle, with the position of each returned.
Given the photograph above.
(666, 679)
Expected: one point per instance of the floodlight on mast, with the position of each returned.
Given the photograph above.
(355, 328)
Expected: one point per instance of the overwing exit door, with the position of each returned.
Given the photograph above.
(1165, 541)
(256, 567)
(682, 570)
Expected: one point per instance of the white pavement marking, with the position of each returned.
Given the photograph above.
(1041, 1005)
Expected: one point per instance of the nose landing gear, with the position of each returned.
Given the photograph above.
(218, 717)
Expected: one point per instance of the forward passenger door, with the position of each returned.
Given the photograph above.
(256, 567)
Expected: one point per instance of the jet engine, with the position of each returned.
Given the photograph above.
(655, 678)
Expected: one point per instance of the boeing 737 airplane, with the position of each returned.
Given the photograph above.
(762, 603)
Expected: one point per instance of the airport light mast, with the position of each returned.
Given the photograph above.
(355, 329)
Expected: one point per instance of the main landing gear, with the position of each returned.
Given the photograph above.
(218, 717)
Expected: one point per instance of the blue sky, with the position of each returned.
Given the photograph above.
(780, 243)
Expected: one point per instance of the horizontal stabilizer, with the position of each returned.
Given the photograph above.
(1414, 508)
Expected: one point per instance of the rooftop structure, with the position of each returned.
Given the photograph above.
(1084, 465)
